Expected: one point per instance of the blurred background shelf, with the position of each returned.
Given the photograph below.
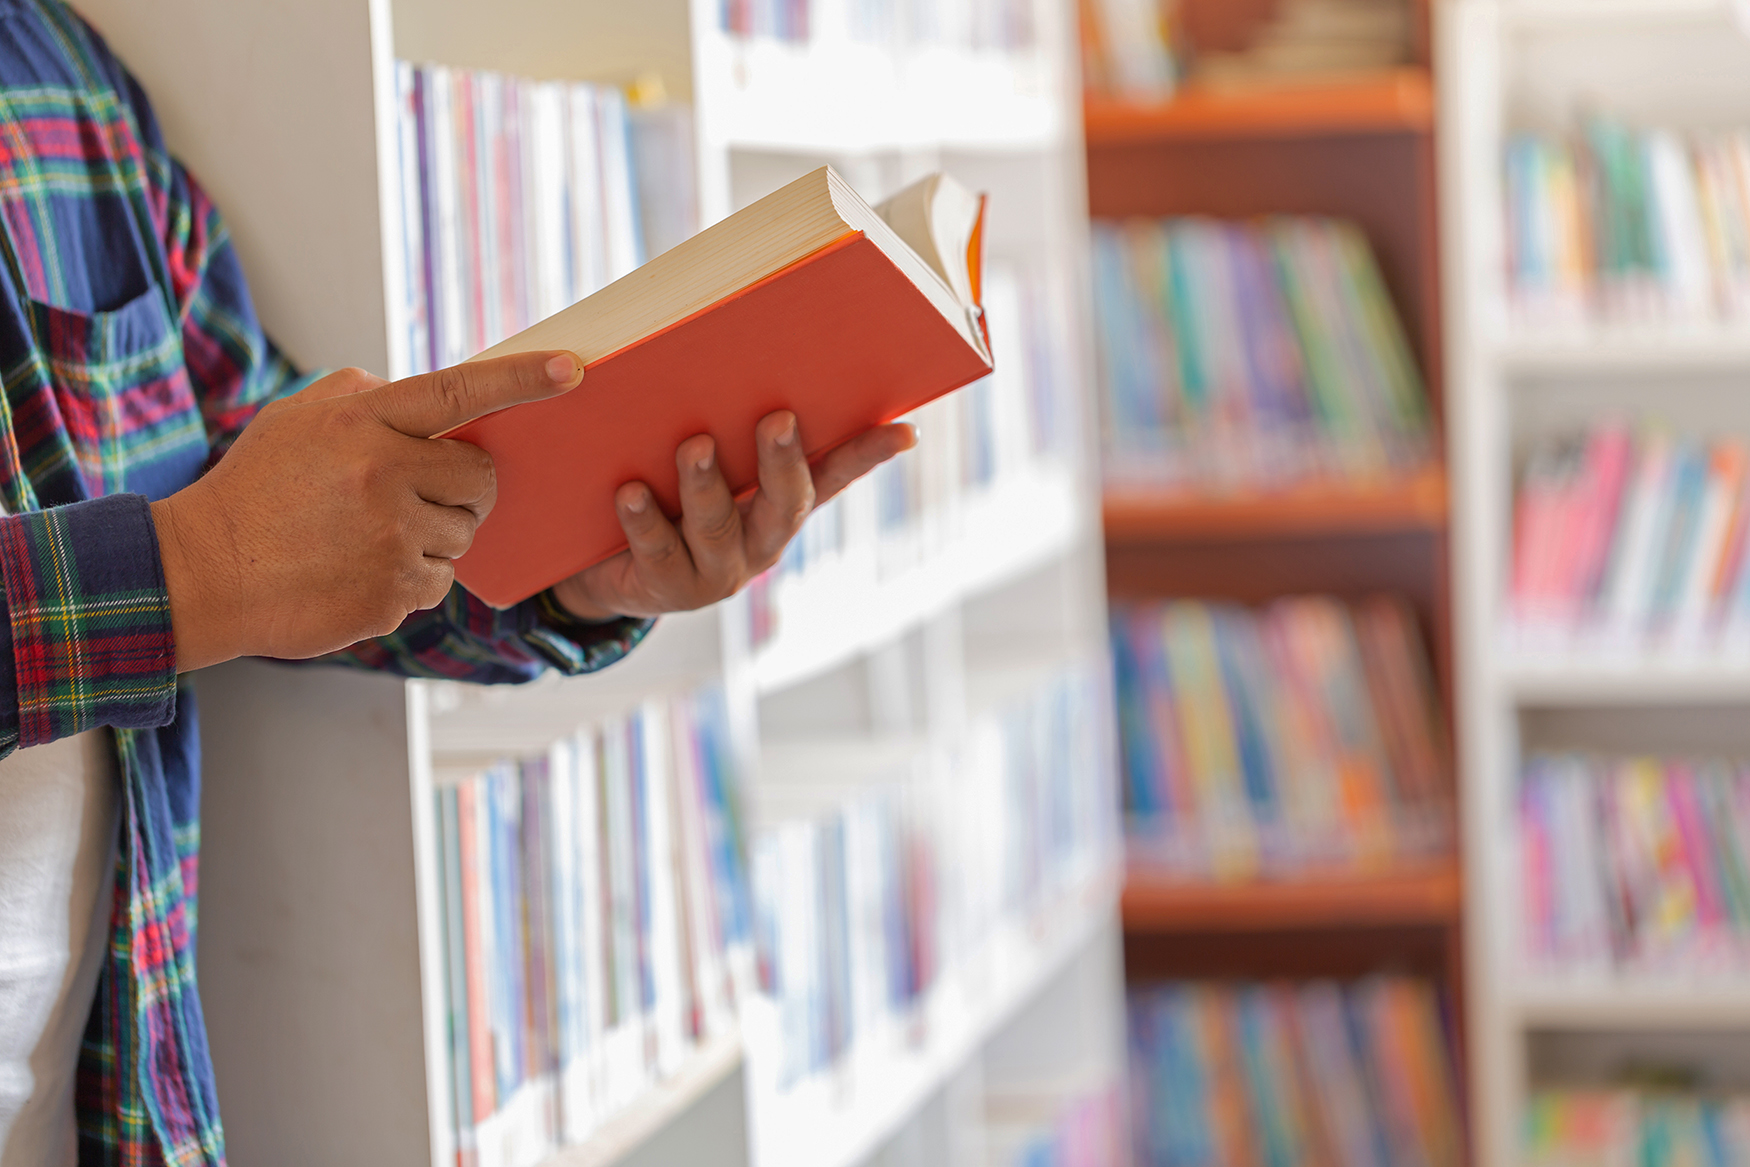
(1649, 679)
(1134, 515)
(1631, 1003)
(1392, 101)
(1622, 349)
(1431, 895)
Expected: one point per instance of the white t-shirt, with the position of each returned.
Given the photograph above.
(58, 832)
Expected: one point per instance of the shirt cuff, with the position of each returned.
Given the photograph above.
(86, 639)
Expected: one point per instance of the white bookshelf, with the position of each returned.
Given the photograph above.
(1507, 64)
(319, 961)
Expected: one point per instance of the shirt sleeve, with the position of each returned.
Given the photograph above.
(85, 639)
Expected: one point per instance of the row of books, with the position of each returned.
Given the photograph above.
(1635, 863)
(1251, 355)
(595, 913)
(974, 24)
(1627, 1127)
(1127, 49)
(1273, 1075)
(868, 891)
(1620, 223)
(1048, 1129)
(518, 198)
(1315, 38)
(1626, 539)
(1302, 736)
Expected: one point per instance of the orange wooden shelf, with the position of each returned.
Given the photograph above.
(1424, 896)
(1140, 516)
(1392, 101)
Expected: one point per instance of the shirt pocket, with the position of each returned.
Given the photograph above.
(126, 413)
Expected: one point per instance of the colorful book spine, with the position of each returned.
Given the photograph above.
(1251, 356)
(592, 911)
(1638, 864)
(1284, 1074)
(1623, 1125)
(1302, 736)
(518, 198)
(1613, 223)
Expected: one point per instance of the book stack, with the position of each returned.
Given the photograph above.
(870, 891)
(518, 198)
(1630, 541)
(1621, 224)
(971, 24)
(1639, 864)
(1302, 737)
(594, 901)
(1357, 1074)
(1127, 49)
(1074, 1128)
(1245, 356)
(1621, 1127)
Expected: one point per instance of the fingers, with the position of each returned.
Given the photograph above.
(434, 402)
(786, 493)
(657, 548)
(710, 520)
(445, 532)
(860, 455)
(453, 474)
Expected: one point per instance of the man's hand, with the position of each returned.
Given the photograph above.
(335, 516)
(719, 544)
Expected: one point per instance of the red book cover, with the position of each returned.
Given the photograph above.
(842, 337)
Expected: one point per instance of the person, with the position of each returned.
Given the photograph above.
(176, 495)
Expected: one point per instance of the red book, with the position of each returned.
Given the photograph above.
(474, 945)
(808, 300)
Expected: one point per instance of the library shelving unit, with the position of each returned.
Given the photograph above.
(1360, 148)
(320, 957)
(1530, 64)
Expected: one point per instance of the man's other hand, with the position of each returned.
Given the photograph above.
(719, 544)
(336, 515)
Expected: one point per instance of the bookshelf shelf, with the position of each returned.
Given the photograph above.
(1619, 680)
(1630, 1003)
(1413, 504)
(1391, 102)
(1430, 896)
(1507, 66)
(1615, 351)
(655, 1109)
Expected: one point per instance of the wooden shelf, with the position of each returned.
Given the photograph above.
(1426, 896)
(1413, 504)
(1394, 101)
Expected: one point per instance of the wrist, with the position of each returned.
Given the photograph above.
(202, 619)
(567, 603)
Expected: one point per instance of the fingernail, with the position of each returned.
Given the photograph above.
(704, 463)
(637, 501)
(563, 369)
(788, 433)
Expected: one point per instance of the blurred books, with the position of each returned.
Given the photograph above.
(1636, 863)
(519, 198)
(1594, 1127)
(1251, 356)
(968, 24)
(1301, 737)
(1310, 39)
(1127, 51)
(1623, 224)
(869, 892)
(593, 902)
(1626, 541)
(1358, 1074)
(1062, 1128)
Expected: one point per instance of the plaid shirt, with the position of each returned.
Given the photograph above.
(131, 357)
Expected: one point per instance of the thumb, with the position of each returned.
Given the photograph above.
(432, 403)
